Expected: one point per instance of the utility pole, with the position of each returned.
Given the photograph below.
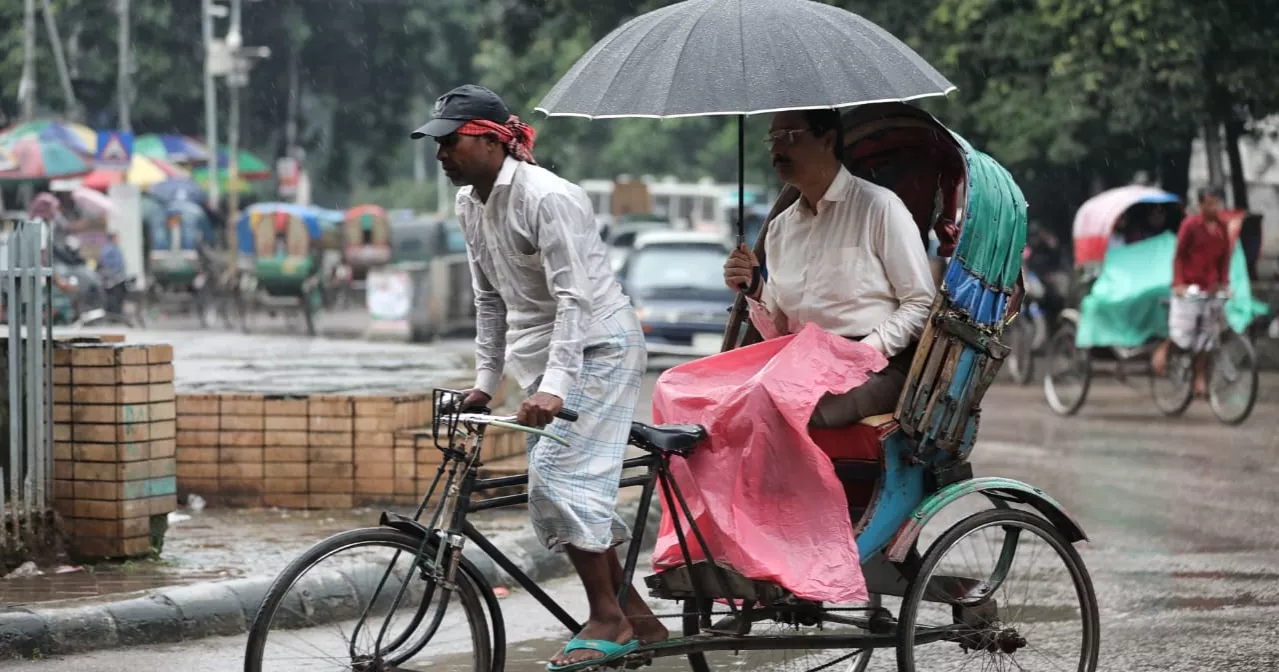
(55, 40)
(122, 76)
(210, 103)
(234, 41)
(27, 85)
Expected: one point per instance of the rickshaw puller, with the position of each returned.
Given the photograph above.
(1204, 247)
(550, 311)
(846, 256)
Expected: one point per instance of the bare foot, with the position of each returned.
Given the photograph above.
(618, 631)
(647, 627)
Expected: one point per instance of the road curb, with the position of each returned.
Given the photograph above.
(220, 608)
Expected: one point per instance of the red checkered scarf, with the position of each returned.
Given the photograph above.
(516, 135)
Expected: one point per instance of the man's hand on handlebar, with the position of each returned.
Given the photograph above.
(475, 399)
(740, 269)
(539, 410)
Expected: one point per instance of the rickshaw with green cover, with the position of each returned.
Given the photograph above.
(1125, 241)
(182, 259)
(289, 260)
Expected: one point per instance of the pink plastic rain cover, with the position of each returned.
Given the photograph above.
(765, 497)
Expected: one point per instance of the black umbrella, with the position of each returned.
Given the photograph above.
(741, 57)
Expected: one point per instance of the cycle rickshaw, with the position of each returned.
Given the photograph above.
(1124, 243)
(290, 259)
(900, 472)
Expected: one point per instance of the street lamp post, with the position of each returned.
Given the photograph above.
(236, 78)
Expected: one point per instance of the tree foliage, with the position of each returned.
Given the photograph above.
(1072, 95)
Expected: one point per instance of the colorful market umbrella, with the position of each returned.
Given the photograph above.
(92, 202)
(179, 188)
(171, 148)
(78, 137)
(251, 167)
(143, 172)
(30, 159)
(201, 177)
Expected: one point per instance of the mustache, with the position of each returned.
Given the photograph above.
(781, 160)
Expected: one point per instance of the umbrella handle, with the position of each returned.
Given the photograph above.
(754, 286)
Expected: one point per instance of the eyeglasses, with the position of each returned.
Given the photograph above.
(784, 136)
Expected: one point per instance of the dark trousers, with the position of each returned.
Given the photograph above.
(877, 396)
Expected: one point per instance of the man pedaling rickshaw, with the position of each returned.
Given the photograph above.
(1204, 247)
(846, 257)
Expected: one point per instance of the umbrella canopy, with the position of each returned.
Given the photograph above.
(77, 137)
(251, 167)
(93, 202)
(178, 190)
(33, 159)
(143, 172)
(171, 148)
(201, 177)
(741, 57)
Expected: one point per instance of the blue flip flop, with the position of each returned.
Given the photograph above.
(612, 651)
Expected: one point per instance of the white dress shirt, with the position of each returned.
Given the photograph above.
(856, 267)
(541, 276)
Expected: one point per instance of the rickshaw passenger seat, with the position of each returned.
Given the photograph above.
(674, 439)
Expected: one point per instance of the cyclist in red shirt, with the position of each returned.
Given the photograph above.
(1204, 247)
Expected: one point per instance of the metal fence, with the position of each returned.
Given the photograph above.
(26, 466)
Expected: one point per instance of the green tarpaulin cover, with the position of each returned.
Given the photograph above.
(1124, 307)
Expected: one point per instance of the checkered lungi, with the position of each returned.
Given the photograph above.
(573, 489)
(1193, 324)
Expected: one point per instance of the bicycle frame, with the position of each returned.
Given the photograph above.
(457, 478)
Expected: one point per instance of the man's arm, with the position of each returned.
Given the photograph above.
(558, 228)
(490, 328)
(906, 264)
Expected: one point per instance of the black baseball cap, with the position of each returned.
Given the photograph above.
(461, 105)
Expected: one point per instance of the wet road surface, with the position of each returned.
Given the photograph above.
(1181, 515)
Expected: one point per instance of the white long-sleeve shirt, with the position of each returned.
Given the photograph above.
(541, 276)
(856, 267)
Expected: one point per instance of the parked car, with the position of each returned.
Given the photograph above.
(675, 280)
(621, 235)
(428, 282)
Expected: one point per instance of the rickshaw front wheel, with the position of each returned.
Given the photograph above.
(1069, 372)
(1233, 379)
(1002, 587)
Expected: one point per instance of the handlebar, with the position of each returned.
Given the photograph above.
(449, 413)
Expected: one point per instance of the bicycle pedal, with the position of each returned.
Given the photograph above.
(635, 661)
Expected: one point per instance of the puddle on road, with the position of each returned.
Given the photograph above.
(1211, 603)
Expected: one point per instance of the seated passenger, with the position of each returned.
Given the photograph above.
(846, 256)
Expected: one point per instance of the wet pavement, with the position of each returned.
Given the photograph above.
(218, 361)
(1181, 515)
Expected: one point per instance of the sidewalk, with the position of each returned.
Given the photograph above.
(214, 571)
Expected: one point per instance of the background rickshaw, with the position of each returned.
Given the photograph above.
(366, 240)
(181, 263)
(290, 259)
(1119, 310)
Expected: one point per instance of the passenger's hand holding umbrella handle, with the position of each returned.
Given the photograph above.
(754, 286)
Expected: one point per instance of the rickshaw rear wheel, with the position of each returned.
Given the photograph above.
(1062, 348)
(977, 601)
(1225, 367)
(1021, 361)
(843, 661)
